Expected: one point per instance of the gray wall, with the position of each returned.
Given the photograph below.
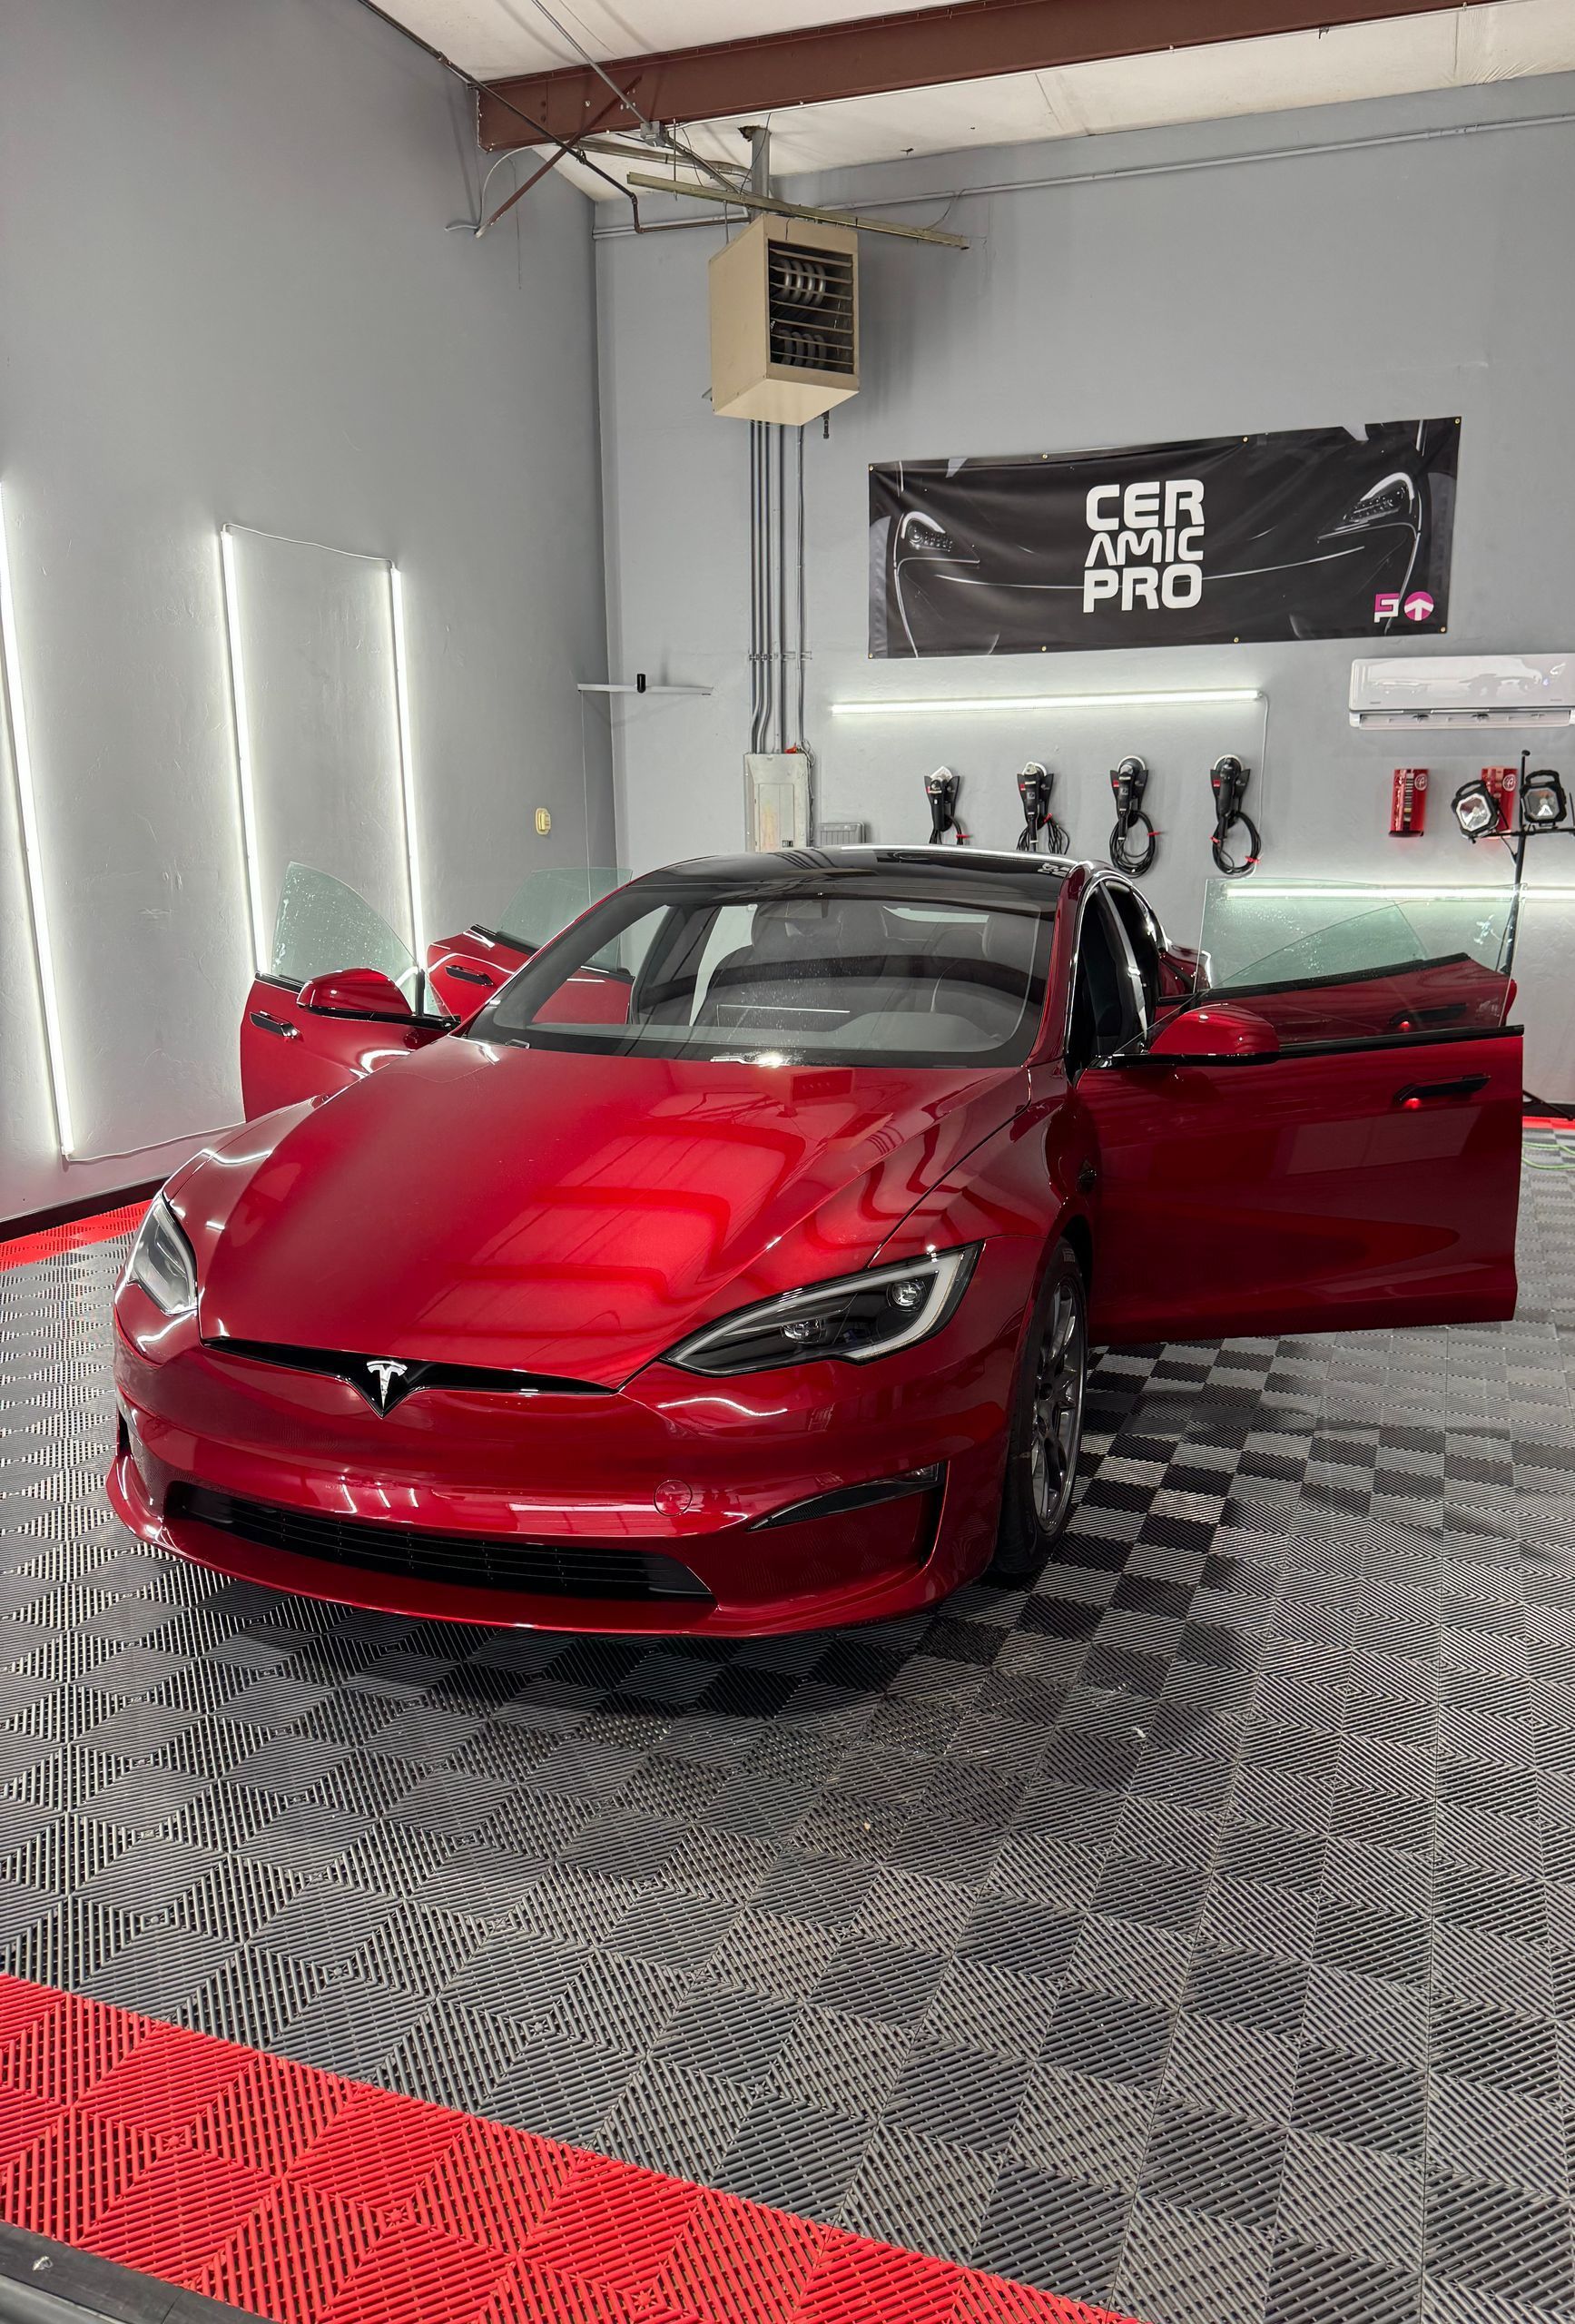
(226, 292)
(1404, 281)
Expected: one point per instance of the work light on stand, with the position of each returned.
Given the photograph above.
(1543, 805)
(1476, 811)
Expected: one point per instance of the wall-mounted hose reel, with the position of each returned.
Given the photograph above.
(1228, 778)
(1035, 785)
(1128, 781)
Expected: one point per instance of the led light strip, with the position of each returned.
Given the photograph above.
(242, 730)
(1398, 895)
(28, 816)
(902, 707)
(406, 764)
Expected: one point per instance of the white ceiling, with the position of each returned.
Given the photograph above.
(491, 37)
(1496, 40)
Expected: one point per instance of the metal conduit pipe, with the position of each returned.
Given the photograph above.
(1142, 170)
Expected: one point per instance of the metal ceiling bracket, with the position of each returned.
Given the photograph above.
(745, 199)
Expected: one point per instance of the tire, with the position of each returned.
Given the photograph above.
(1047, 1424)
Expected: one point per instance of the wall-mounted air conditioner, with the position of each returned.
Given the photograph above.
(785, 321)
(1464, 690)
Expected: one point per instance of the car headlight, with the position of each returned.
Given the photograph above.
(849, 1320)
(160, 1263)
(921, 533)
(1394, 500)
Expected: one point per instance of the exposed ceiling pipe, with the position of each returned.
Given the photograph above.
(1119, 172)
(540, 136)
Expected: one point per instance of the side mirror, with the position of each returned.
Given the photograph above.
(356, 992)
(1216, 1031)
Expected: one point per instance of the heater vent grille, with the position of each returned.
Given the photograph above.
(810, 309)
(785, 321)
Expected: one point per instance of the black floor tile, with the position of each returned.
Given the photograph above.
(1193, 1931)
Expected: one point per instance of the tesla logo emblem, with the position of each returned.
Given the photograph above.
(1418, 606)
(385, 1373)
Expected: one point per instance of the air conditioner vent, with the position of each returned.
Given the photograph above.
(1468, 690)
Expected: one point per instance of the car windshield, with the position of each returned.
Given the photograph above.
(759, 963)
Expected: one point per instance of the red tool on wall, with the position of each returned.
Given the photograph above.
(1408, 803)
(1501, 784)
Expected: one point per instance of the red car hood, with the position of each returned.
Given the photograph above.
(541, 1210)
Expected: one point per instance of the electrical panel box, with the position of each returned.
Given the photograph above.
(1408, 803)
(785, 321)
(777, 800)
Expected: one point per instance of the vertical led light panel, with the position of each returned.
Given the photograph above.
(243, 726)
(406, 765)
(27, 817)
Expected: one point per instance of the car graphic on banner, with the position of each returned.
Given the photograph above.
(1308, 533)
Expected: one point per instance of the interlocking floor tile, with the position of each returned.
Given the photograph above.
(1192, 1930)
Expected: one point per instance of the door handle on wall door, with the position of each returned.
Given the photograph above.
(280, 1025)
(1426, 1093)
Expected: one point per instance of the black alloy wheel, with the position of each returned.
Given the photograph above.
(1046, 1431)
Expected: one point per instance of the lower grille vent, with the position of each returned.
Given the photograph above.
(538, 1569)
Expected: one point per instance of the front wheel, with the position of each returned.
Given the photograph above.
(1047, 1426)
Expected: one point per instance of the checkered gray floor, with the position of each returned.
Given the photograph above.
(1194, 1932)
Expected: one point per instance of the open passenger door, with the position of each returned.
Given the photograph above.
(1327, 1138)
(341, 997)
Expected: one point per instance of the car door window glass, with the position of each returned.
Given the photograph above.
(548, 899)
(1107, 1008)
(1340, 961)
(322, 926)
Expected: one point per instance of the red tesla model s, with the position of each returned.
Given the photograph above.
(733, 1268)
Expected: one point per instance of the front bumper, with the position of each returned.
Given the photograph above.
(673, 1466)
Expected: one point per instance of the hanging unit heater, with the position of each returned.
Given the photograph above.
(785, 321)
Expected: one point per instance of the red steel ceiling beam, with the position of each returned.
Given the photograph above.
(969, 40)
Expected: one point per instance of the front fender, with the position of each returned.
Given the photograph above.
(1020, 1185)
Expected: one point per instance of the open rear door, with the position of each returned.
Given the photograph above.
(1359, 1176)
(464, 971)
(289, 1052)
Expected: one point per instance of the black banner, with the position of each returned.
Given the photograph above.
(1312, 532)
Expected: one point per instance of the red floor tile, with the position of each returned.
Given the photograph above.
(64, 2049)
(378, 2149)
(175, 2216)
(306, 2199)
(48, 1242)
(415, 2272)
(162, 2083)
(289, 2257)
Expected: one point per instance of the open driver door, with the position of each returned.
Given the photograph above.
(341, 997)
